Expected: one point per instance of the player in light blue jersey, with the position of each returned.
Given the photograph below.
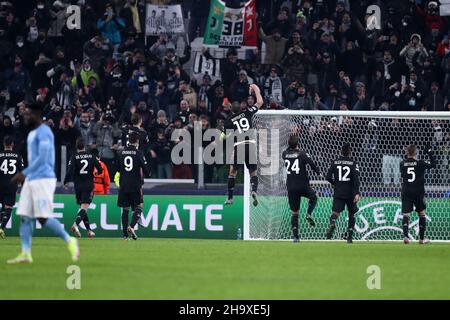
(38, 187)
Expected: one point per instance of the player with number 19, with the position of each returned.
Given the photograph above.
(81, 171)
(343, 175)
(10, 163)
(297, 182)
(132, 165)
(240, 124)
(413, 189)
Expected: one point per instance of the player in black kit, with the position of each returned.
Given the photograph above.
(297, 182)
(10, 163)
(413, 189)
(132, 165)
(240, 124)
(81, 172)
(344, 177)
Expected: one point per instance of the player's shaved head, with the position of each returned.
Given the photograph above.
(293, 141)
(346, 150)
(80, 143)
(411, 150)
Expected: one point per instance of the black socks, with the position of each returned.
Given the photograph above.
(5, 216)
(254, 183)
(405, 225)
(294, 225)
(231, 182)
(136, 216)
(422, 227)
(125, 221)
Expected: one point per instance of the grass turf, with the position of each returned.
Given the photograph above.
(216, 269)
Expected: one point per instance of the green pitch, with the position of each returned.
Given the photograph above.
(216, 269)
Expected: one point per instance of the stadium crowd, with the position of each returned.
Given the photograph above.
(105, 79)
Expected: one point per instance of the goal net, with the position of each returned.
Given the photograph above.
(378, 140)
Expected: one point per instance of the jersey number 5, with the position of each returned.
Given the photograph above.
(8, 168)
(411, 173)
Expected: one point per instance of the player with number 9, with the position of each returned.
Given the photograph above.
(132, 165)
(343, 175)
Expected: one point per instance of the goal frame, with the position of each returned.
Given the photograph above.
(332, 113)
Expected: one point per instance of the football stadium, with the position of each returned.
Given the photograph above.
(224, 150)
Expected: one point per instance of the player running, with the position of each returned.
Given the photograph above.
(343, 175)
(81, 172)
(39, 182)
(10, 163)
(297, 183)
(241, 124)
(131, 165)
(413, 189)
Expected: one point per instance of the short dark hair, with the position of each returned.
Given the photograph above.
(94, 152)
(133, 137)
(293, 141)
(8, 141)
(80, 143)
(135, 119)
(346, 149)
(35, 107)
(411, 150)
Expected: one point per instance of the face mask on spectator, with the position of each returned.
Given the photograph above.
(20, 44)
(412, 102)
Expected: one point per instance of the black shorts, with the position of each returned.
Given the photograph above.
(245, 153)
(84, 196)
(129, 199)
(411, 202)
(295, 195)
(340, 204)
(7, 199)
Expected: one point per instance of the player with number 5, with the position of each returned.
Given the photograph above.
(413, 189)
(343, 175)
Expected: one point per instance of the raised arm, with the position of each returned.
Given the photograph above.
(259, 99)
(329, 176)
(432, 162)
(312, 164)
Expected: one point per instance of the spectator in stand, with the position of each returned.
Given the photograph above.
(275, 46)
(160, 151)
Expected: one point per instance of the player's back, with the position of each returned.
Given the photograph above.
(241, 123)
(81, 167)
(413, 176)
(41, 146)
(132, 166)
(344, 175)
(10, 163)
(295, 162)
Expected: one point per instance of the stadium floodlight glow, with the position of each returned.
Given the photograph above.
(378, 139)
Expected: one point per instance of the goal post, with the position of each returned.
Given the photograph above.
(378, 139)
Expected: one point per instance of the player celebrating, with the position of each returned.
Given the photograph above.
(297, 182)
(344, 177)
(39, 182)
(131, 164)
(81, 172)
(241, 124)
(413, 189)
(10, 163)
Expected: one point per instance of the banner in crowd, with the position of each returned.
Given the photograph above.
(444, 8)
(166, 216)
(230, 27)
(165, 20)
(203, 66)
